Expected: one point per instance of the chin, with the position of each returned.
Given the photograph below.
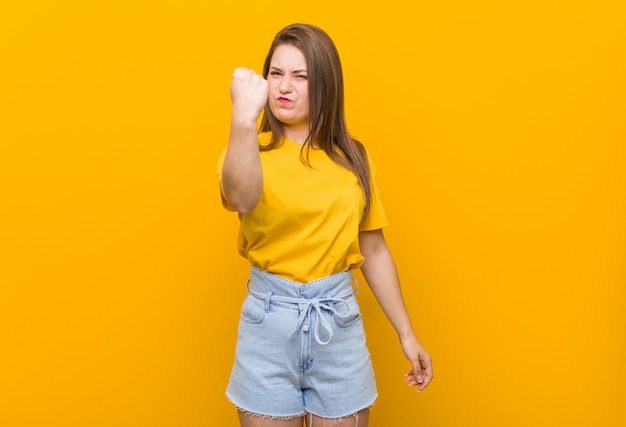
(286, 119)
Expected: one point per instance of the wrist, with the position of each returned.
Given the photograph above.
(244, 119)
(408, 334)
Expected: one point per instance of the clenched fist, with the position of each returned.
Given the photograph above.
(248, 93)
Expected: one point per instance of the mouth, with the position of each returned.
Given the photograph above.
(283, 100)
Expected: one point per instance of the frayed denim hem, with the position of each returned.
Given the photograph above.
(270, 417)
(252, 414)
(337, 420)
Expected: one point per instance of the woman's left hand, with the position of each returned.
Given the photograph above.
(422, 372)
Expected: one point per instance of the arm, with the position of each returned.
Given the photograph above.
(381, 274)
(242, 175)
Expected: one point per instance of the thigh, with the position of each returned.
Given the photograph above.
(255, 420)
(360, 419)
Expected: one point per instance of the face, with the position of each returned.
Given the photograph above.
(289, 87)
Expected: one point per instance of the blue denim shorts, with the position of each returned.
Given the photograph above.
(301, 349)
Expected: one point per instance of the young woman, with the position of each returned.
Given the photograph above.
(309, 214)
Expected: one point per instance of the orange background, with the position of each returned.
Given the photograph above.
(499, 134)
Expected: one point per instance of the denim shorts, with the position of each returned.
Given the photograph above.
(301, 349)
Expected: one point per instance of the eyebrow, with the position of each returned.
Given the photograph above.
(294, 71)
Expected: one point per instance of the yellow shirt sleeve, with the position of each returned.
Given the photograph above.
(376, 218)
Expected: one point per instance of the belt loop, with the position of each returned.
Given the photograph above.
(356, 286)
(268, 300)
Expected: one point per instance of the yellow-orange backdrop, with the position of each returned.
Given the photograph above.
(499, 133)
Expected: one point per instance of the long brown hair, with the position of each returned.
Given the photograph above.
(327, 123)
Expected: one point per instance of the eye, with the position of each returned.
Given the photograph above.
(302, 76)
(275, 73)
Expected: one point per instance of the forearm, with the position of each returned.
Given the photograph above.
(379, 269)
(242, 175)
(381, 274)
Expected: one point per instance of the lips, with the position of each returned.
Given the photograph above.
(283, 100)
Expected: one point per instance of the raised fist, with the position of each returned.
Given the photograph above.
(248, 93)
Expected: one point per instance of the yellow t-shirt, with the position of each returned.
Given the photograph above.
(306, 224)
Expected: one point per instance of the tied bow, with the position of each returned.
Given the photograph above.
(317, 305)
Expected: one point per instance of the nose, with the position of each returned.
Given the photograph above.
(285, 84)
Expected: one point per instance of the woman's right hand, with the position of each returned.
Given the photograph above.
(248, 93)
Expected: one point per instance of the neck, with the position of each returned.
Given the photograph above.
(297, 134)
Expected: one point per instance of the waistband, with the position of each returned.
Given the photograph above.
(318, 295)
